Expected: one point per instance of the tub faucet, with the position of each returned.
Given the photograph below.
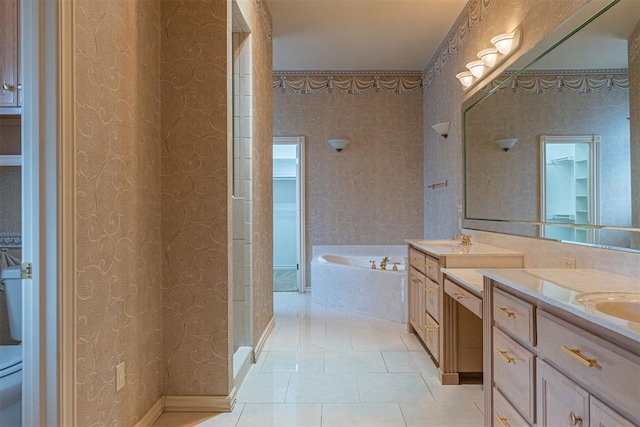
(465, 239)
(383, 263)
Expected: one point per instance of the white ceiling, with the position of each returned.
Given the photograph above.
(359, 35)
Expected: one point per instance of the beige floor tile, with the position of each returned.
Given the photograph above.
(264, 388)
(411, 341)
(293, 362)
(410, 361)
(361, 415)
(281, 415)
(321, 388)
(467, 393)
(461, 414)
(390, 341)
(353, 361)
(324, 342)
(393, 387)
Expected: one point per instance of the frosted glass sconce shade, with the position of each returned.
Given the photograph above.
(465, 77)
(476, 68)
(488, 56)
(503, 42)
(506, 144)
(338, 144)
(442, 128)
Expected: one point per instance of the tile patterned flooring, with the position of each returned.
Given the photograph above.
(327, 367)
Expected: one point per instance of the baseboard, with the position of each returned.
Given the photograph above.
(200, 403)
(257, 350)
(152, 414)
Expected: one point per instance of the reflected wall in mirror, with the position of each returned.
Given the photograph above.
(584, 88)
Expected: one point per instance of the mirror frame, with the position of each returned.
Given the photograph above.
(584, 16)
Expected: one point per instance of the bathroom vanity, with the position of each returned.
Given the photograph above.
(436, 319)
(561, 347)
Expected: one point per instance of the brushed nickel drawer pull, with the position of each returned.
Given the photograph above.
(578, 356)
(503, 353)
(503, 420)
(507, 312)
(459, 296)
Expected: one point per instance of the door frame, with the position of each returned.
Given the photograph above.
(46, 54)
(299, 142)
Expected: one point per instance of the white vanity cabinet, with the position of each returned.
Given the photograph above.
(434, 318)
(547, 366)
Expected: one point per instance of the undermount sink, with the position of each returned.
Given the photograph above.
(621, 305)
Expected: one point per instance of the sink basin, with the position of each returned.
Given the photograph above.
(621, 305)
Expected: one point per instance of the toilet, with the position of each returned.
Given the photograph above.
(11, 355)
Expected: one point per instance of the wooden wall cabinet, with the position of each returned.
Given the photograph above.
(10, 73)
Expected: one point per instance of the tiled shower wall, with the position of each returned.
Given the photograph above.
(371, 192)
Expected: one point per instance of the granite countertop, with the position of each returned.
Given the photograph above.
(440, 248)
(560, 287)
(469, 278)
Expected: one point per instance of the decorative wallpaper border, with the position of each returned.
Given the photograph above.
(351, 82)
(577, 81)
(10, 240)
(471, 16)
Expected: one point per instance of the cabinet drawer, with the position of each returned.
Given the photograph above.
(431, 268)
(416, 259)
(432, 294)
(600, 415)
(513, 373)
(514, 315)
(464, 297)
(432, 337)
(504, 414)
(600, 366)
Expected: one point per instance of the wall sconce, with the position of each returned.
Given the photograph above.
(476, 68)
(465, 77)
(489, 56)
(338, 144)
(442, 129)
(505, 44)
(507, 143)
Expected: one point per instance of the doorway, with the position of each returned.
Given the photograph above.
(289, 259)
(569, 187)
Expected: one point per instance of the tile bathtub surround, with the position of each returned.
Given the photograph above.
(291, 386)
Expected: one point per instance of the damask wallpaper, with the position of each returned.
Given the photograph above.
(634, 112)
(371, 192)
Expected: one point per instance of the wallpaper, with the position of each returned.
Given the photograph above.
(195, 290)
(118, 209)
(634, 114)
(371, 192)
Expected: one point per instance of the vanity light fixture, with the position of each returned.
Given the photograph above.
(338, 144)
(503, 42)
(507, 143)
(489, 56)
(476, 68)
(442, 129)
(465, 77)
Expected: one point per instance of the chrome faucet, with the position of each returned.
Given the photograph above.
(465, 239)
(383, 263)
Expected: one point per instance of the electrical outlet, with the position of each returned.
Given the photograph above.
(568, 263)
(120, 376)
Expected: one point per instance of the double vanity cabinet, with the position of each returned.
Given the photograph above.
(561, 348)
(452, 334)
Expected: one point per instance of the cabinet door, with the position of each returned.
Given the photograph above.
(416, 301)
(603, 416)
(8, 53)
(561, 402)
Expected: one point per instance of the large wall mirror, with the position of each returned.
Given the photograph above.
(573, 112)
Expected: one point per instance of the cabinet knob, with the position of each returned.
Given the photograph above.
(19, 86)
(574, 419)
(7, 87)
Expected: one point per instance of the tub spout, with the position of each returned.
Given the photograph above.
(383, 263)
(373, 265)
